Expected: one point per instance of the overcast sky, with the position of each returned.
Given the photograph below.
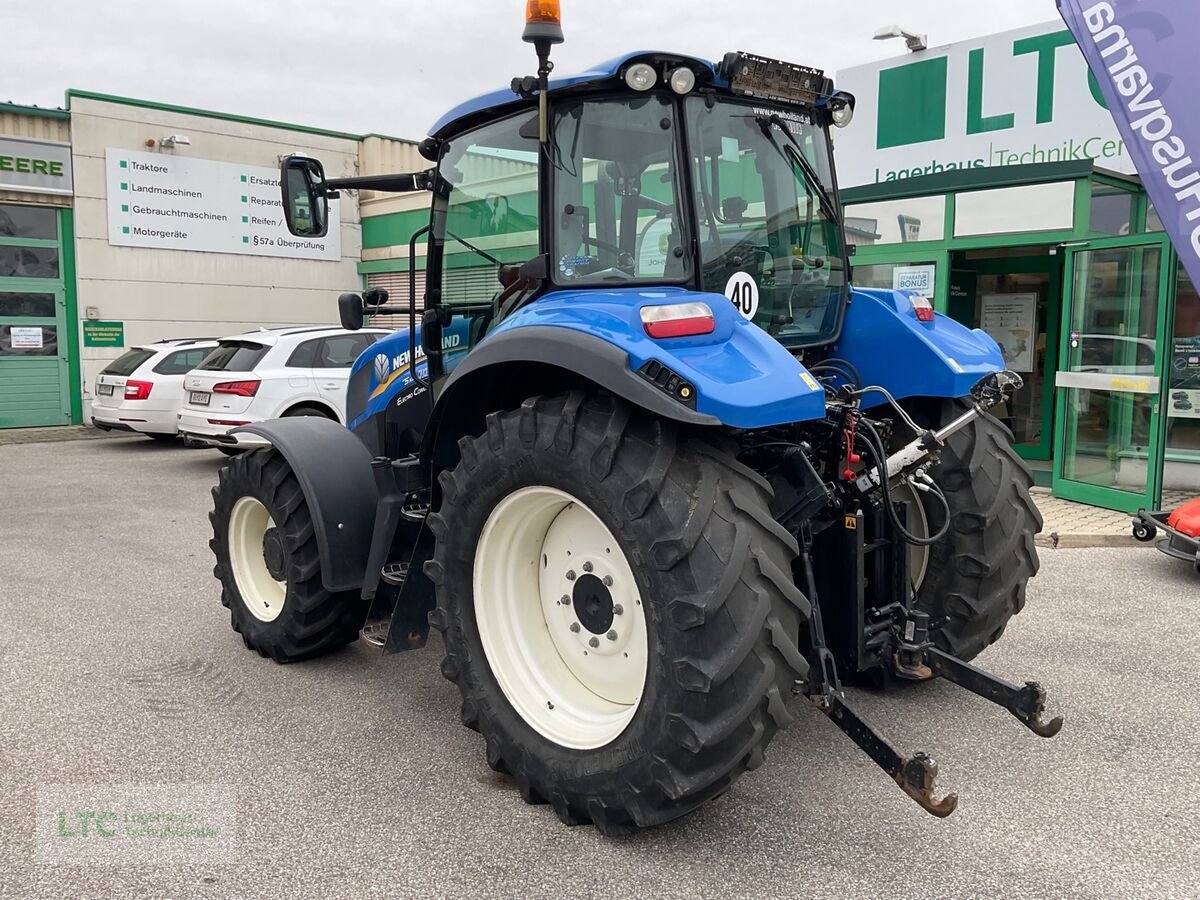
(393, 66)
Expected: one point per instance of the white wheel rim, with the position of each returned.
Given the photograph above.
(263, 595)
(918, 524)
(575, 685)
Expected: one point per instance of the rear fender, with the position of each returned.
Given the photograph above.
(334, 471)
(738, 376)
(890, 347)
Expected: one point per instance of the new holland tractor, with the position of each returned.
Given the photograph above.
(651, 465)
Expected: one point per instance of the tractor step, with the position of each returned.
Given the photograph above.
(395, 573)
(375, 634)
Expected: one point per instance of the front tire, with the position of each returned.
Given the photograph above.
(976, 575)
(268, 563)
(715, 612)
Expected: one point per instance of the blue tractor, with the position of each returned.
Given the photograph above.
(651, 465)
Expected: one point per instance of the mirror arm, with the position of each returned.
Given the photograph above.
(401, 183)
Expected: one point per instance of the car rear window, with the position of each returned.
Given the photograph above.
(181, 361)
(234, 356)
(127, 363)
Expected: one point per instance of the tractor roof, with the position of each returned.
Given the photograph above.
(496, 100)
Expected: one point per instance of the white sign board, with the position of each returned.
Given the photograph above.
(37, 167)
(180, 203)
(915, 278)
(1014, 98)
(1011, 320)
(26, 338)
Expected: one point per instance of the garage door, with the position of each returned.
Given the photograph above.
(34, 383)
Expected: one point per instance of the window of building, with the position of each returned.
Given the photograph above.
(1030, 207)
(895, 275)
(37, 222)
(1111, 209)
(896, 221)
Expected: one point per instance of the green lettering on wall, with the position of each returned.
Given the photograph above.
(56, 168)
(977, 122)
(6, 163)
(912, 104)
(1045, 46)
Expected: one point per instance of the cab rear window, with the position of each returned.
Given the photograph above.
(234, 356)
(127, 363)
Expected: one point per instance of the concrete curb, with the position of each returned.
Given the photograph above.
(1056, 541)
(59, 433)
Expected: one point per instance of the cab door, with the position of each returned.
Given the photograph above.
(1110, 383)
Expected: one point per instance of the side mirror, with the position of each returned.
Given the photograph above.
(305, 201)
(350, 311)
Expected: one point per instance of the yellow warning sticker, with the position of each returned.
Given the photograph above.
(852, 523)
(810, 381)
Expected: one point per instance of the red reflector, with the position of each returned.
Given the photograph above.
(227, 422)
(669, 328)
(923, 308)
(241, 388)
(138, 390)
(677, 320)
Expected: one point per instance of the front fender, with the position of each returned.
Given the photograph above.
(743, 377)
(334, 471)
(890, 347)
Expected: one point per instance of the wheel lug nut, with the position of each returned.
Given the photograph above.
(594, 643)
(618, 610)
(608, 581)
(612, 635)
(570, 575)
(566, 600)
(575, 627)
(587, 567)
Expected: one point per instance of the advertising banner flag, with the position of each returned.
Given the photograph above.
(1145, 55)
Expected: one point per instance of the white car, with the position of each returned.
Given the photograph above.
(142, 390)
(268, 374)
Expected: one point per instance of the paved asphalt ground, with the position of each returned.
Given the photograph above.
(353, 777)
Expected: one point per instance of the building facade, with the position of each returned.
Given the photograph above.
(123, 222)
(989, 175)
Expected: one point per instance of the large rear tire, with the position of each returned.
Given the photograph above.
(544, 494)
(268, 564)
(976, 576)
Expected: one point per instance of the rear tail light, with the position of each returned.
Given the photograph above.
(923, 308)
(677, 320)
(138, 390)
(241, 388)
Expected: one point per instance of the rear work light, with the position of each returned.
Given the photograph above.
(923, 308)
(240, 388)
(677, 320)
(138, 390)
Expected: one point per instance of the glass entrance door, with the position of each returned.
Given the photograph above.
(1109, 384)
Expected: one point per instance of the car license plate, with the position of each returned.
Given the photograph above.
(199, 398)
(104, 390)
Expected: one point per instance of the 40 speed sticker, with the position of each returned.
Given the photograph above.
(742, 292)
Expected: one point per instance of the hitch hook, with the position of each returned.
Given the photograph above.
(1025, 703)
(915, 774)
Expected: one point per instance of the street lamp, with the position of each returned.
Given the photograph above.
(913, 41)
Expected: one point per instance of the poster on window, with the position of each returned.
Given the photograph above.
(1011, 320)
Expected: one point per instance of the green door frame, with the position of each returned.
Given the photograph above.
(1096, 495)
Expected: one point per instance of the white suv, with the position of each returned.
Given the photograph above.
(267, 374)
(142, 390)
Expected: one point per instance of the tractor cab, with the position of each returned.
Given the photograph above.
(657, 171)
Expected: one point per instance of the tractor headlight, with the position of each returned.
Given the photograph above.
(683, 80)
(841, 110)
(641, 76)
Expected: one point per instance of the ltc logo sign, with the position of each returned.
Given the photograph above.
(1015, 98)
